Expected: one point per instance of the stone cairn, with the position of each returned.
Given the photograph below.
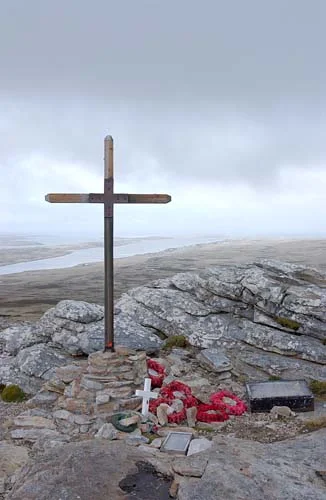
(84, 396)
(89, 397)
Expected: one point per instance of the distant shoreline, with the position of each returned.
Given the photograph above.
(24, 259)
(27, 295)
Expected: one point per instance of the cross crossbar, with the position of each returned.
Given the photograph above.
(99, 198)
(108, 198)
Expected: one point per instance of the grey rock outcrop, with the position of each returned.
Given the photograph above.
(238, 468)
(85, 470)
(31, 353)
(267, 318)
(77, 327)
(15, 338)
(32, 366)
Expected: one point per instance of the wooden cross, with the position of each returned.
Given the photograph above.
(108, 198)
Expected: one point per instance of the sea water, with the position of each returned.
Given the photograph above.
(123, 248)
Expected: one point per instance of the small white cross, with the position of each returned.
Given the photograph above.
(146, 394)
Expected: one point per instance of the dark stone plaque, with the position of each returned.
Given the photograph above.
(295, 394)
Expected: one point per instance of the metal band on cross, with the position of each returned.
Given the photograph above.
(108, 198)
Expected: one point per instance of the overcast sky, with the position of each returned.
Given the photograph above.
(219, 103)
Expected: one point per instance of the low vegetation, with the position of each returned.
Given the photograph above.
(150, 436)
(13, 394)
(314, 424)
(318, 388)
(242, 379)
(288, 323)
(274, 378)
(205, 430)
(175, 341)
(161, 335)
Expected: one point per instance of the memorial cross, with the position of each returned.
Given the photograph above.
(108, 198)
(146, 394)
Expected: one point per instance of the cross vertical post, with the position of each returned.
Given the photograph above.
(108, 244)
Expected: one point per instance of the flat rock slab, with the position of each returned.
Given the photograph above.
(214, 360)
(31, 435)
(11, 458)
(247, 470)
(198, 446)
(295, 394)
(90, 470)
(190, 466)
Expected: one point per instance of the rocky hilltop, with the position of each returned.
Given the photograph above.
(267, 318)
(241, 322)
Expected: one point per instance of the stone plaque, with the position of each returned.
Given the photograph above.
(295, 394)
(177, 442)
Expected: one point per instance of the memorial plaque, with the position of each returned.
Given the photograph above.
(177, 442)
(295, 394)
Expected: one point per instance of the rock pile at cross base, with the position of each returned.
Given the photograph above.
(266, 318)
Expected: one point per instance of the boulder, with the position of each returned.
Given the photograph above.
(14, 338)
(76, 311)
(107, 431)
(10, 373)
(78, 336)
(41, 361)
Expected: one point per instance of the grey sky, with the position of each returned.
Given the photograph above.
(227, 98)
